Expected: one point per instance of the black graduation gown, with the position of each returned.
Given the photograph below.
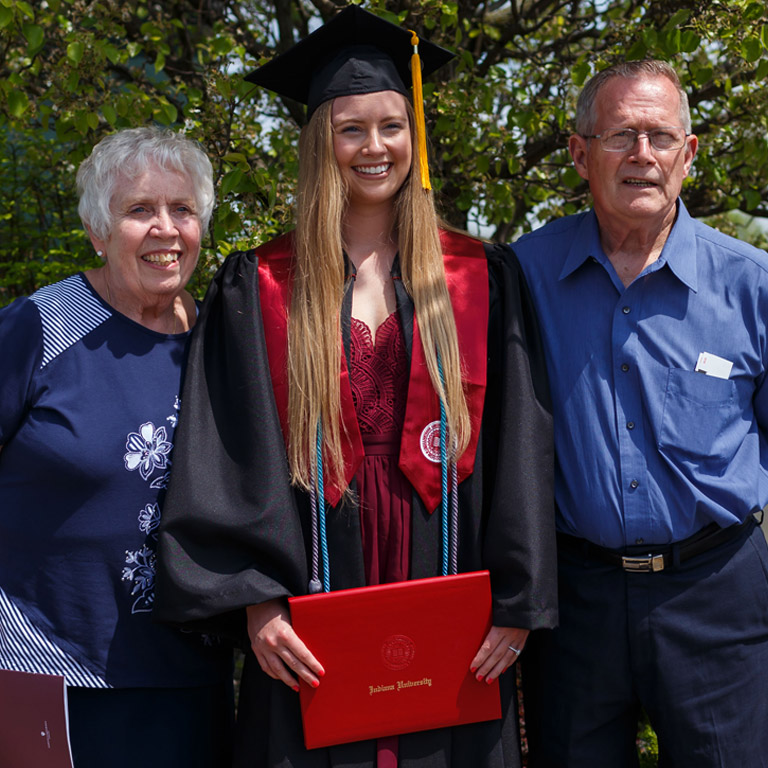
(235, 533)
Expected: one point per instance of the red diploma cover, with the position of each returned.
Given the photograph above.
(396, 658)
(33, 721)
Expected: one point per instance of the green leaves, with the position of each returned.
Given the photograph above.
(75, 52)
(23, 8)
(18, 102)
(165, 113)
(35, 37)
(499, 114)
(85, 120)
(580, 72)
(751, 48)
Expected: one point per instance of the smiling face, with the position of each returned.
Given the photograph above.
(154, 242)
(372, 144)
(639, 186)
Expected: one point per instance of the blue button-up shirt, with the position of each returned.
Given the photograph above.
(649, 450)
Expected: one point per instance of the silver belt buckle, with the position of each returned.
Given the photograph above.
(647, 564)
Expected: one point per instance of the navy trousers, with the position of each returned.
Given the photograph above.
(688, 644)
(151, 727)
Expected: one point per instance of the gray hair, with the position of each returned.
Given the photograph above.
(128, 154)
(586, 116)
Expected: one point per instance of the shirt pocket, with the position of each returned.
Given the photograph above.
(699, 415)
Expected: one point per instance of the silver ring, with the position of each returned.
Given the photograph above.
(514, 650)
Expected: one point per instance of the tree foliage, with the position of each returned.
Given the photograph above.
(499, 114)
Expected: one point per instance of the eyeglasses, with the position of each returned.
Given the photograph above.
(624, 139)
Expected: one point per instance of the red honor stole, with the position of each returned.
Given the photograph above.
(466, 271)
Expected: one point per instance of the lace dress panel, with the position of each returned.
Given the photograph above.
(379, 376)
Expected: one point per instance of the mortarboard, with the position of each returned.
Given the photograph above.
(356, 52)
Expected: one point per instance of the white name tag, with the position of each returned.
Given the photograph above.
(713, 365)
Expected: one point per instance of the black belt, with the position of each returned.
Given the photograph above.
(637, 560)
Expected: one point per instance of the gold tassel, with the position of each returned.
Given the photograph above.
(418, 107)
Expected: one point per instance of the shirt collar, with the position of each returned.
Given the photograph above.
(585, 245)
(679, 252)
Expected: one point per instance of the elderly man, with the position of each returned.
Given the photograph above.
(656, 335)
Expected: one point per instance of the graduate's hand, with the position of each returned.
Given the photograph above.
(278, 648)
(495, 655)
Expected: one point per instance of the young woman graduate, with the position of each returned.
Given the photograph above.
(373, 377)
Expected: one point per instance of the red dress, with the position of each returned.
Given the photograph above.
(379, 376)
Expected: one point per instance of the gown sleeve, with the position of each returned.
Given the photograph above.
(518, 542)
(230, 534)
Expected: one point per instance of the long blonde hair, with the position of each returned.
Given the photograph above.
(314, 326)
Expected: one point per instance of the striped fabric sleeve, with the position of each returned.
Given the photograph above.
(21, 351)
(69, 311)
(24, 648)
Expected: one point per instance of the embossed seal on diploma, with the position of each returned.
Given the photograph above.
(397, 651)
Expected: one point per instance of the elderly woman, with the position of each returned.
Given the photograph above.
(89, 399)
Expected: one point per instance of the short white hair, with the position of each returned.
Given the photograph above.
(586, 109)
(128, 154)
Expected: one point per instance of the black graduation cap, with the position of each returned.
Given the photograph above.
(356, 52)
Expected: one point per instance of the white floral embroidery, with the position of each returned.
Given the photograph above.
(149, 520)
(148, 449)
(162, 481)
(174, 417)
(140, 569)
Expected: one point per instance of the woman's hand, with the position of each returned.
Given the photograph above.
(278, 648)
(500, 649)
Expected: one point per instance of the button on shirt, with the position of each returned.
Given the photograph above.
(648, 449)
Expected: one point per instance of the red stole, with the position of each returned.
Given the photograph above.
(467, 279)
